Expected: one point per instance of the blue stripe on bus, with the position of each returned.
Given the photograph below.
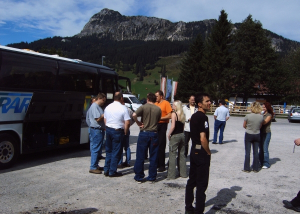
(15, 94)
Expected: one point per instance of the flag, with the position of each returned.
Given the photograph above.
(163, 85)
(169, 88)
(174, 89)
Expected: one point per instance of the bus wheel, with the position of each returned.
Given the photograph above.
(9, 150)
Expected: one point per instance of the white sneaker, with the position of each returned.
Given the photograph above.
(265, 167)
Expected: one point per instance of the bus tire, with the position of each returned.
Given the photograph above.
(9, 150)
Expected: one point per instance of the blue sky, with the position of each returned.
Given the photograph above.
(30, 20)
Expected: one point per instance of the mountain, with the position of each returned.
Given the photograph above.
(111, 24)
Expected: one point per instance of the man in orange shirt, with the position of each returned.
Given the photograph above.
(162, 127)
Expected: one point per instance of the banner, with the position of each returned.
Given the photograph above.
(174, 89)
(163, 85)
(169, 88)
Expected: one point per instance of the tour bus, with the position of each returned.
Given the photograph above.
(44, 100)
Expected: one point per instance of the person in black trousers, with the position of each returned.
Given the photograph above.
(162, 127)
(295, 203)
(199, 157)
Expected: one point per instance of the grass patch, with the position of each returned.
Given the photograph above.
(148, 85)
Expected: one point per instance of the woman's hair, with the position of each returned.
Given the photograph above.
(179, 111)
(269, 108)
(256, 107)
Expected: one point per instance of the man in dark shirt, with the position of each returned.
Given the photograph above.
(199, 157)
(148, 138)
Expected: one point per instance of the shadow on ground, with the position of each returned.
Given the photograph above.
(223, 198)
(274, 160)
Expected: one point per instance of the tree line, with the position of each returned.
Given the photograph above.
(239, 62)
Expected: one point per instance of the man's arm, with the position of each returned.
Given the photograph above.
(167, 117)
(297, 142)
(204, 142)
(127, 125)
(216, 113)
(100, 118)
(227, 116)
(140, 124)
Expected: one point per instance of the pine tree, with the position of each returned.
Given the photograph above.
(253, 59)
(217, 58)
(286, 82)
(192, 75)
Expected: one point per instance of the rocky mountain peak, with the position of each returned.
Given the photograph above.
(118, 27)
(112, 24)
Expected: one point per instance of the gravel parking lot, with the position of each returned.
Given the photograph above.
(59, 181)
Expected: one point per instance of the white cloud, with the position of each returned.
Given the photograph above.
(61, 18)
(68, 17)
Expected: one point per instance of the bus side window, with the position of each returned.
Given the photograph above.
(76, 78)
(27, 72)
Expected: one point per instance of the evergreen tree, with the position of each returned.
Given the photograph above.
(192, 77)
(217, 58)
(253, 59)
(288, 79)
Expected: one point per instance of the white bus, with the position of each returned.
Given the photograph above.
(44, 99)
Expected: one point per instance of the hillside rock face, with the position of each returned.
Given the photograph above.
(113, 25)
(118, 27)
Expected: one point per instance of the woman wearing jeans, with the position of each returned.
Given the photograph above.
(176, 144)
(252, 124)
(265, 135)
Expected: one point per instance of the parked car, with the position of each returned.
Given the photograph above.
(294, 114)
(131, 101)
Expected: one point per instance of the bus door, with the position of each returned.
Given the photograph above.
(52, 119)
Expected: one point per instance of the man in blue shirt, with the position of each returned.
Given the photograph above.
(221, 115)
(95, 121)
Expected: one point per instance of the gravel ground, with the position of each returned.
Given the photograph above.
(59, 182)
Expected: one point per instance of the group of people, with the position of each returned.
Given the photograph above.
(114, 121)
(187, 122)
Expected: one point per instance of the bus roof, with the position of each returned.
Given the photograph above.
(56, 57)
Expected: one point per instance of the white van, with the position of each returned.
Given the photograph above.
(131, 101)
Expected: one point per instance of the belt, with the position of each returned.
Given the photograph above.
(148, 131)
(115, 129)
(97, 128)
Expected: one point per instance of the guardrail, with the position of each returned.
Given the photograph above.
(243, 110)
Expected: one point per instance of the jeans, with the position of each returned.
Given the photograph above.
(162, 141)
(187, 137)
(264, 149)
(125, 145)
(113, 149)
(176, 146)
(198, 177)
(219, 125)
(96, 142)
(146, 140)
(254, 140)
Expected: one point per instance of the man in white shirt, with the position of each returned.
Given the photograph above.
(117, 121)
(221, 115)
(188, 110)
